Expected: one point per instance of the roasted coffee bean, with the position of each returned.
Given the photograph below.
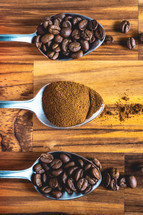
(37, 39)
(114, 172)
(76, 20)
(84, 45)
(65, 158)
(44, 48)
(52, 55)
(78, 174)
(87, 166)
(57, 172)
(56, 47)
(65, 32)
(46, 38)
(95, 173)
(124, 26)
(68, 18)
(66, 53)
(65, 45)
(75, 34)
(77, 54)
(97, 163)
(44, 178)
(132, 182)
(46, 189)
(87, 34)
(54, 29)
(71, 185)
(56, 194)
(74, 47)
(114, 186)
(141, 37)
(60, 15)
(82, 184)
(53, 182)
(107, 180)
(49, 43)
(68, 190)
(131, 43)
(38, 169)
(88, 189)
(122, 182)
(80, 162)
(46, 158)
(91, 180)
(92, 40)
(45, 166)
(108, 40)
(58, 39)
(64, 178)
(37, 180)
(56, 164)
(93, 24)
(99, 33)
(67, 24)
(40, 30)
(45, 24)
(60, 187)
(72, 169)
(70, 164)
(57, 22)
(38, 45)
(83, 24)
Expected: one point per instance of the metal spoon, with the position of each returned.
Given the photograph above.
(27, 174)
(28, 38)
(35, 105)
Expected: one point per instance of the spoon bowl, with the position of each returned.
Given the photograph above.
(27, 174)
(28, 38)
(35, 105)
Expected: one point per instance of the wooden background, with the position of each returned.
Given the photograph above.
(112, 70)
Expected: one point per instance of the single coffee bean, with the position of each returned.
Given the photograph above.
(46, 189)
(57, 22)
(53, 183)
(77, 54)
(46, 38)
(114, 186)
(60, 15)
(95, 173)
(114, 172)
(57, 172)
(93, 24)
(65, 45)
(56, 164)
(49, 43)
(54, 29)
(99, 33)
(46, 158)
(38, 169)
(124, 26)
(52, 55)
(97, 163)
(72, 169)
(55, 46)
(131, 43)
(92, 39)
(65, 158)
(67, 24)
(71, 185)
(84, 45)
(141, 37)
(78, 174)
(122, 182)
(91, 180)
(74, 47)
(108, 40)
(83, 24)
(76, 20)
(75, 34)
(87, 34)
(58, 39)
(82, 184)
(107, 180)
(65, 32)
(44, 48)
(64, 178)
(80, 162)
(38, 45)
(68, 18)
(88, 189)
(37, 39)
(37, 180)
(45, 24)
(44, 178)
(68, 190)
(132, 182)
(40, 30)
(45, 166)
(70, 164)
(87, 166)
(56, 194)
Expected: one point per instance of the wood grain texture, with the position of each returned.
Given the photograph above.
(140, 28)
(112, 79)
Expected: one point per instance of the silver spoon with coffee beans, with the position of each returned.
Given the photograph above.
(64, 36)
(60, 175)
(36, 105)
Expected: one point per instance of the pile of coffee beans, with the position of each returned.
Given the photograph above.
(62, 172)
(67, 36)
(112, 180)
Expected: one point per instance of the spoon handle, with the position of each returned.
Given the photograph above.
(23, 174)
(17, 104)
(17, 37)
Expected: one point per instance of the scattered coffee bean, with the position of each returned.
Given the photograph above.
(132, 182)
(114, 173)
(108, 40)
(131, 43)
(124, 26)
(122, 182)
(114, 186)
(107, 180)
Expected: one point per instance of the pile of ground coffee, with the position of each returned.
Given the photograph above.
(68, 103)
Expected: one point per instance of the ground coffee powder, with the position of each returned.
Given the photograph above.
(68, 103)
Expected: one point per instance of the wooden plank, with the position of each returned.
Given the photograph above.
(140, 28)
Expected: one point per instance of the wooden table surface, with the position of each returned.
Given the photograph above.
(113, 70)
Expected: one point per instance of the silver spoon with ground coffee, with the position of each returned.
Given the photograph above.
(63, 36)
(77, 184)
(80, 105)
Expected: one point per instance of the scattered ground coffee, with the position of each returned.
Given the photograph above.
(68, 103)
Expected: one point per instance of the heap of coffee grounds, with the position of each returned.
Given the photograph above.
(68, 103)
